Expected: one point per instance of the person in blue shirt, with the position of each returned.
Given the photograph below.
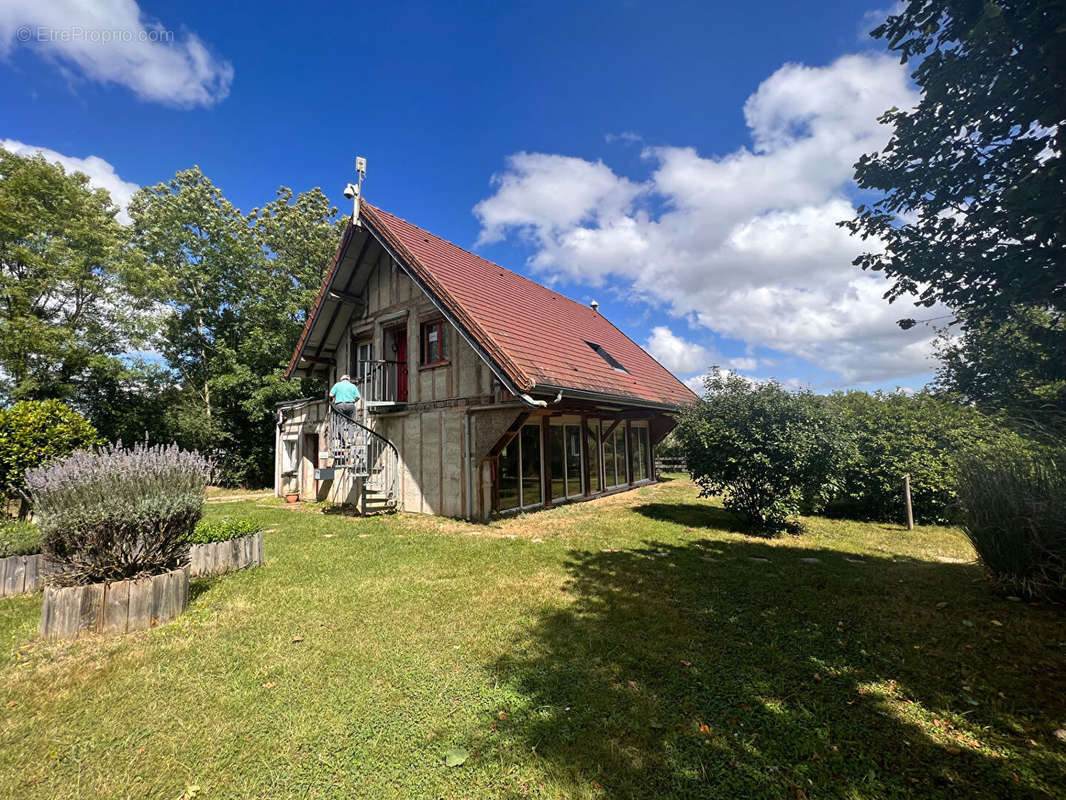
(345, 394)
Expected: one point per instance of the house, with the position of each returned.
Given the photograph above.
(483, 392)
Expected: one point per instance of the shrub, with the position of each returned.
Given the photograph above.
(19, 538)
(34, 432)
(119, 513)
(222, 530)
(773, 453)
(918, 434)
(1013, 509)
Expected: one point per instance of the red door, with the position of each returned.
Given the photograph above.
(401, 366)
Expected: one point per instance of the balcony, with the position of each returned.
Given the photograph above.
(382, 385)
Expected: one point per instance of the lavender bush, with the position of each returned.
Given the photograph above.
(118, 513)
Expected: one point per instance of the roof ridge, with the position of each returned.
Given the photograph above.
(488, 261)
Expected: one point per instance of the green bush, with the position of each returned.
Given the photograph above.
(33, 432)
(922, 435)
(222, 530)
(771, 452)
(1013, 508)
(19, 538)
(118, 513)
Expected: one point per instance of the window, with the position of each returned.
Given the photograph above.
(519, 471)
(434, 344)
(364, 353)
(556, 461)
(616, 365)
(620, 453)
(573, 460)
(639, 451)
(595, 479)
(608, 459)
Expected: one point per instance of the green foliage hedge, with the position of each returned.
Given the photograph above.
(772, 453)
(922, 435)
(222, 530)
(19, 538)
(1014, 512)
(33, 432)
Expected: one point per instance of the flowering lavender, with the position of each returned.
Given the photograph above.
(118, 513)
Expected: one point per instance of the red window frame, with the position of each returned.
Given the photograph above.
(442, 350)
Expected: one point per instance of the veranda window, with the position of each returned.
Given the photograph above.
(518, 478)
(639, 449)
(595, 479)
(564, 442)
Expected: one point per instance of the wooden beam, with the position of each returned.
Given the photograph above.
(508, 435)
(347, 297)
(318, 360)
(610, 430)
(347, 284)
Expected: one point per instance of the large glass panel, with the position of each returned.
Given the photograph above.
(573, 460)
(608, 458)
(640, 457)
(594, 456)
(556, 460)
(531, 465)
(507, 479)
(620, 452)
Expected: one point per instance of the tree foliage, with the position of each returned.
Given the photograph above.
(34, 432)
(922, 435)
(972, 211)
(773, 453)
(238, 291)
(1016, 366)
(72, 293)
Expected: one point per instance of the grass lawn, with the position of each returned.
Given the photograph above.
(630, 647)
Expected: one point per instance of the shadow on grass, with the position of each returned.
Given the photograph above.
(722, 669)
(692, 515)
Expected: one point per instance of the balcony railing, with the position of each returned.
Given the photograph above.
(382, 383)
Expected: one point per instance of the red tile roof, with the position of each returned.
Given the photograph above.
(538, 337)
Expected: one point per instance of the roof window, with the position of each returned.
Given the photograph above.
(616, 365)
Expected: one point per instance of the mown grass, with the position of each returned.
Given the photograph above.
(630, 647)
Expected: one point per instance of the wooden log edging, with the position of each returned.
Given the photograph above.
(21, 574)
(119, 607)
(214, 558)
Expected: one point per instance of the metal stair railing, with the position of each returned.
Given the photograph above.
(379, 382)
(366, 453)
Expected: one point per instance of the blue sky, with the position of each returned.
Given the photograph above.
(683, 164)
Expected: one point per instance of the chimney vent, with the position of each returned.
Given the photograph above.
(595, 306)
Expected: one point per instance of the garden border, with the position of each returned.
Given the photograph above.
(22, 574)
(216, 558)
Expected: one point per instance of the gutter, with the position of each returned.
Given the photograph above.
(601, 397)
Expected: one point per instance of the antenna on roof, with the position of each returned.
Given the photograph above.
(353, 191)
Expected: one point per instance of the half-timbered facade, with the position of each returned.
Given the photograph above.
(482, 392)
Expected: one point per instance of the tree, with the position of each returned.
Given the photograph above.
(773, 453)
(36, 432)
(71, 292)
(1017, 366)
(239, 291)
(972, 211)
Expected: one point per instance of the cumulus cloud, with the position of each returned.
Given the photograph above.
(101, 173)
(113, 41)
(676, 354)
(746, 244)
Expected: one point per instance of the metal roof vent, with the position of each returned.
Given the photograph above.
(595, 306)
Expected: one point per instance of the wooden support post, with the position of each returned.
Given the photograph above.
(907, 500)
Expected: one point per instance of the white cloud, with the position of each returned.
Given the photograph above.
(746, 243)
(113, 41)
(676, 354)
(101, 174)
(743, 363)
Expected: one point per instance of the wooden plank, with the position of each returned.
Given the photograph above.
(90, 609)
(16, 575)
(170, 595)
(234, 555)
(508, 435)
(260, 557)
(33, 574)
(194, 559)
(3, 577)
(140, 613)
(47, 612)
(67, 602)
(116, 608)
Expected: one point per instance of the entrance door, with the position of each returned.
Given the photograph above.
(400, 337)
(308, 489)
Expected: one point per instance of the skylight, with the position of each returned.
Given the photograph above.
(616, 365)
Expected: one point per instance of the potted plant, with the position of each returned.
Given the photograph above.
(291, 493)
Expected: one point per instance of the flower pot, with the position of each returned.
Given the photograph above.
(292, 497)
